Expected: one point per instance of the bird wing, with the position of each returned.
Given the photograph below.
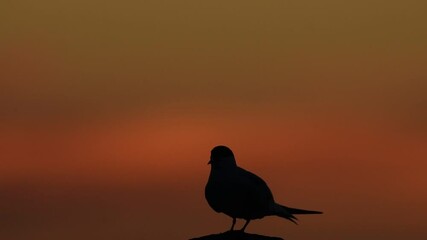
(256, 192)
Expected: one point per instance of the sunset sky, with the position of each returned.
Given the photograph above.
(109, 110)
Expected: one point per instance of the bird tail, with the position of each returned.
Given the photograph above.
(301, 211)
(288, 213)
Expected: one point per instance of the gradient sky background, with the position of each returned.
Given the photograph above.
(109, 109)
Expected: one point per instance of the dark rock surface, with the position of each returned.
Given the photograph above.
(236, 235)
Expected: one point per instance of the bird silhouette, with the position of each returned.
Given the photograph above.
(241, 194)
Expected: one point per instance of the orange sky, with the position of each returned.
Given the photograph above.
(109, 110)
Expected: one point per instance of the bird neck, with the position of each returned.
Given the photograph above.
(223, 169)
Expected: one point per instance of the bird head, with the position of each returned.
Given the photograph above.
(222, 157)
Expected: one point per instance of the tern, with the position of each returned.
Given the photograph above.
(241, 194)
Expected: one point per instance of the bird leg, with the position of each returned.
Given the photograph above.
(246, 224)
(232, 225)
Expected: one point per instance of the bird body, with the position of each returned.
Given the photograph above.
(238, 193)
(241, 194)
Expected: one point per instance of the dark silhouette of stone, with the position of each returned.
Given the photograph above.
(236, 235)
